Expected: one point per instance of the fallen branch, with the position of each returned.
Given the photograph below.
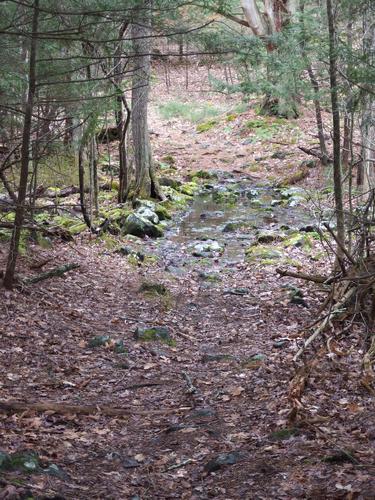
(317, 154)
(307, 277)
(19, 407)
(58, 271)
(334, 312)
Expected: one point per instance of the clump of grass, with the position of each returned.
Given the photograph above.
(191, 112)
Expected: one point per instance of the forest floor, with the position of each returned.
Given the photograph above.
(207, 412)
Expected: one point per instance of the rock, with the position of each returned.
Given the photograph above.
(275, 203)
(201, 413)
(189, 188)
(99, 341)
(237, 291)
(252, 193)
(231, 227)
(167, 181)
(144, 204)
(153, 333)
(129, 463)
(224, 195)
(209, 358)
(139, 226)
(307, 229)
(208, 248)
(263, 254)
(221, 460)
(269, 236)
(162, 212)
(279, 155)
(281, 343)
(148, 214)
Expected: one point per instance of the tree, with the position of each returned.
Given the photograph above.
(145, 181)
(25, 152)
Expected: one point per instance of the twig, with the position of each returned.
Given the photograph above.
(178, 466)
(302, 276)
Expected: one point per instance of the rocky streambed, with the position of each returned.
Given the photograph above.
(232, 220)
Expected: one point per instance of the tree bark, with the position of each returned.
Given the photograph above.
(368, 114)
(141, 35)
(336, 130)
(25, 155)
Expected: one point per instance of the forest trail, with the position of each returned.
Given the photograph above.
(212, 401)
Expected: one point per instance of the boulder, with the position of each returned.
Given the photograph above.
(148, 214)
(137, 225)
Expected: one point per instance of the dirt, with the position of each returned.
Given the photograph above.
(208, 412)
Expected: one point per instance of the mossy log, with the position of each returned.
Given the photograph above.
(57, 271)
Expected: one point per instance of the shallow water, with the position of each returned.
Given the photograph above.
(205, 219)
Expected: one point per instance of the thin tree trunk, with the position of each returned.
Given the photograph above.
(25, 155)
(318, 115)
(368, 115)
(336, 130)
(141, 35)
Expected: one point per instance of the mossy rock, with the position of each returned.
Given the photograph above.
(205, 127)
(162, 212)
(189, 188)
(153, 288)
(139, 226)
(169, 182)
(269, 236)
(176, 200)
(231, 227)
(99, 341)
(263, 254)
(22, 461)
(304, 240)
(154, 333)
(225, 196)
(203, 174)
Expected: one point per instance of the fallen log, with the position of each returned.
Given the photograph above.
(20, 407)
(47, 231)
(57, 271)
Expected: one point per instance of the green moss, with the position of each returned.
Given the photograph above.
(204, 174)
(153, 288)
(162, 212)
(225, 197)
(231, 117)
(263, 254)
(205, 127)
(189, 188)
(5, 235)
(175, 200)
(304, 241)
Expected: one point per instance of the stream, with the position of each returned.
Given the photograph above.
(232, 225)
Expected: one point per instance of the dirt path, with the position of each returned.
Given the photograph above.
(212, 405)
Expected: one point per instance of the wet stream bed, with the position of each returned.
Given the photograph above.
(229, 216)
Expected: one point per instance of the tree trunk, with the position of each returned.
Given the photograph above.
(368, 115)
(336, 130)
(25, 155)
(141, 35)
